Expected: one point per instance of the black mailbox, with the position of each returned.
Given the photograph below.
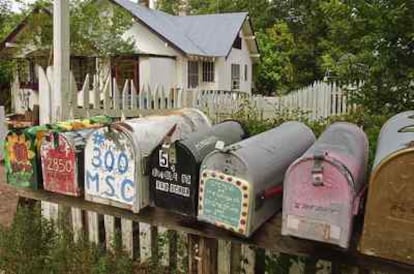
(175, 167)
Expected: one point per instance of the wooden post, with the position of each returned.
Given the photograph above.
(3, 130)
(208, 255)
(61, 59)
(77, 223)
(202, 253)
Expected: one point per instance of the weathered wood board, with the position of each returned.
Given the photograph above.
(267, 237)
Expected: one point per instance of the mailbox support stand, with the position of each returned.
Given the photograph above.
(266, 238)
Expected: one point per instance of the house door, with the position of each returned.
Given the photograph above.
(235, 77)
(125, 68)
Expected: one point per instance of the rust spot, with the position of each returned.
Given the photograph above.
(244, 188)
(245, 196)
(241, 230)
(204, 174)
(229, 179)
(242, 221)
(201, 182)
(221, 177)
(244, 204)
(213, 175)
(244, 214)
(200, 190)
(238, 183)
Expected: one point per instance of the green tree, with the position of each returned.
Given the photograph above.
(7, 18)
(275, 71)
(96, 28)
(373, 41)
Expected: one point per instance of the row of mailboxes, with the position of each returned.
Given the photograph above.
(388, 229)
(22, 160)
(179, 162)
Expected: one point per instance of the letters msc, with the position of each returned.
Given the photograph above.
(110, 173)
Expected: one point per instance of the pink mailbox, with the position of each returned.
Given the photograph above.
(322, 189)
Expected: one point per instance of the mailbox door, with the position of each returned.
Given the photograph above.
(58, 157)
(21, 160)
(110, 169)
(174, 179)
(389, 218)
(225, 194)
(318, 206)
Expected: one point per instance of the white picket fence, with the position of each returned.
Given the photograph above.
(319, 100)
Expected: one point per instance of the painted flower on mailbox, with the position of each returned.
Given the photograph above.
(18, 159)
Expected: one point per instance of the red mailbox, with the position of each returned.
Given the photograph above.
(62, 155)
(322, 189)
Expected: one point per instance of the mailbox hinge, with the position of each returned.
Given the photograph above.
(267, 194)
(317, 169)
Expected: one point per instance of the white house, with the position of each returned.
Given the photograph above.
(206, 52)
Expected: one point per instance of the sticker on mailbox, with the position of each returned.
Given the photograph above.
(109, 167)
(19, 159)
(224, 201)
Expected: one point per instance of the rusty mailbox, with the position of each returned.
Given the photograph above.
(388, 230)
(62, 161)
(323, 188)
(116, 157)
(22, 160)
(175, 166)
(241, 184)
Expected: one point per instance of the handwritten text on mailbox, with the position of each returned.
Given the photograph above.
(110, 166)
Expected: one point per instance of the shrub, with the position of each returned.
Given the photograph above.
(36, 245)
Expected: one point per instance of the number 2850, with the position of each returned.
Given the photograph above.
(59, 165)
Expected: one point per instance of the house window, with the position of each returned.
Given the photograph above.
(235, 76)
(208, 71)
(237, 43)
(125, 68)
(246, 73)
(80, 67)
(192, 74)
(28, 78)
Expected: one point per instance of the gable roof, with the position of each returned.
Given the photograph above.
(12, 35)
(210, 35)
(204, 35)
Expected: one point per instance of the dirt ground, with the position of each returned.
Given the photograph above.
(8, 200)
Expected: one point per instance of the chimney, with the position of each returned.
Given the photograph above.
(152, 4)
(144, 3)
(183, 8)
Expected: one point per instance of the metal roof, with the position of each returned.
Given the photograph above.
(204, 35)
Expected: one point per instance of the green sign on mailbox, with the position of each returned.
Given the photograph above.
(222, 201)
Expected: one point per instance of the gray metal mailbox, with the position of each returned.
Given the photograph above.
(323, 188)
(116, 157)
(175, 166)
(241, 185)
(389, 216)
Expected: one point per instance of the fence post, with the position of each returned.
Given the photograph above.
(3, 130)
(61, 60)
